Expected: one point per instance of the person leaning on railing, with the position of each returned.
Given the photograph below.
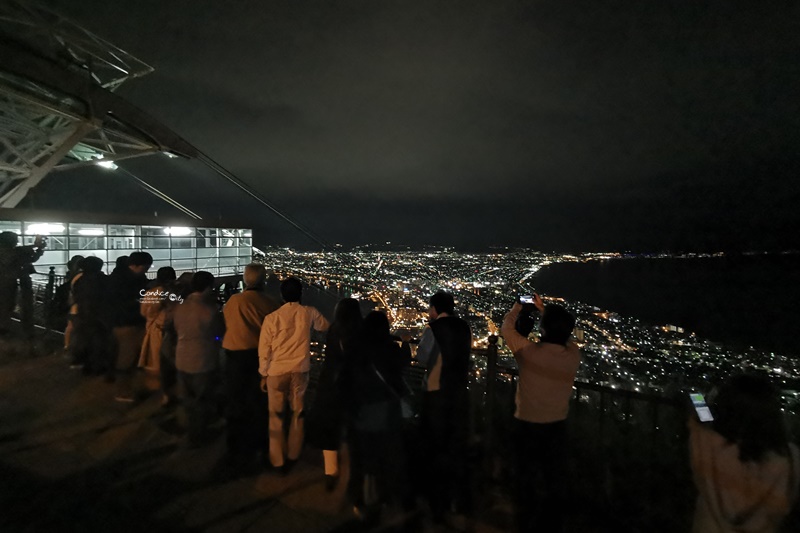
(546, 373)
(745, 469)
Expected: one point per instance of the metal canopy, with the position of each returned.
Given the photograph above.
(57, 108)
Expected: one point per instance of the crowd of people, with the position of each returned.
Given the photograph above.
(174, 328)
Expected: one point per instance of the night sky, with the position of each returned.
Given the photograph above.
(580, 125)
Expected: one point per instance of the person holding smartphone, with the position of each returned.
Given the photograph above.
(547, 371)
(16, 266)
(745, 469)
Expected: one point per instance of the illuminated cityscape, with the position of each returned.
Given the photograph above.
(619, 351)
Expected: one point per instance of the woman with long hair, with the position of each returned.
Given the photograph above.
(153, 308)
(745, 469)
(326, 420)
(373, 386)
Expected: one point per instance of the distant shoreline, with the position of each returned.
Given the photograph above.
(739, 301)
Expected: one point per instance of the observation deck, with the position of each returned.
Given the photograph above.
(70, 454)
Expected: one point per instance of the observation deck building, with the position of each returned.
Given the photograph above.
(186, 246)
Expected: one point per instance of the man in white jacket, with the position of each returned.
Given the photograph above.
(284, 352)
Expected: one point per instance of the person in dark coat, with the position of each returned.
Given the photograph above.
(16, 265)
(62, 309)
(91, 343)
(8, 279)
(372, 387)
(127, 286)
(120, 264)
(444, 350)
(326, 420)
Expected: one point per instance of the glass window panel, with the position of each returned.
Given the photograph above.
(122, 238)
(228, 261)
(154, 242)
(57, 242)
(207, 252)
(122, 230)
(207, 263)
(183, 253)
(87, 230)
(54, 242)
(228, 252)
(51, 257)
(206, 237)
(182, 242)
(154, 237)
(227, 238)
(86, 243)
(161, 254)
(184, 264)
(154, 231)
(11, 225)
(245, 251)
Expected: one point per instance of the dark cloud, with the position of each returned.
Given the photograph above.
(609, 125)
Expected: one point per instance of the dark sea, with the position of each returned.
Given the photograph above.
(740, 301)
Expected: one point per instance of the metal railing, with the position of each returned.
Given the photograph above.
(628, 450)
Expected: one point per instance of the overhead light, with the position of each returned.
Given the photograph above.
(170, 155)
(44, 229)
(107, 164)
(91, 232)
(178, 231)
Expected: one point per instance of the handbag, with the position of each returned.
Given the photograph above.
(406, 411)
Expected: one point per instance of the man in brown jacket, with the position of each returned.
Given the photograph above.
(247, 410)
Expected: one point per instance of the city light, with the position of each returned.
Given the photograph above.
(619, 351)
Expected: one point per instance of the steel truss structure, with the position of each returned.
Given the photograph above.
(57, 105)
